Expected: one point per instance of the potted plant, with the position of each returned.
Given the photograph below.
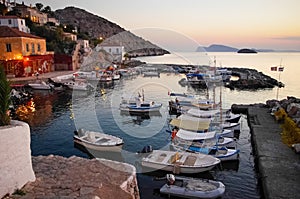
(15, 154)
(4, 98)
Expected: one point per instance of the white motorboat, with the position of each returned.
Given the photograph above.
(227, 115)
(179, 162)
(78, 85)
(139, 105)
(186, 187)
(207, 139)
(98, 141)
(40, 85)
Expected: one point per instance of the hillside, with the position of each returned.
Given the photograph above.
(94, 27)
(87, 22)
(134, 46)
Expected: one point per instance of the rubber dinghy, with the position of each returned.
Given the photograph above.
(192, 188)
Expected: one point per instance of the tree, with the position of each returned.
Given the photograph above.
(47, 10)
(4, 98)
(39, 6)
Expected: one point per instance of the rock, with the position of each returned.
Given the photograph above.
(59, 177)
(296, 147)
(246, 50)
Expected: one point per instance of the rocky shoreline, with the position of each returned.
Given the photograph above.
(249, 79)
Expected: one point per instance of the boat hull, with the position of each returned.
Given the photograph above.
(111, 148)
(184, 192)
(179, 162)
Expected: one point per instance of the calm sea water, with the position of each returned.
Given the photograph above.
(60, 113)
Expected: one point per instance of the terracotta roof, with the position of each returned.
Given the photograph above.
(6, 31)
(9, 17)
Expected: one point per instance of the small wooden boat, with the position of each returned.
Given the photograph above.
(186, 187)
(179, 162)
(98, 141)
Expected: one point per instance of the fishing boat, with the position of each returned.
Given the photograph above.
(207, 139)
(139, 105)
(227, 115)
(186, 187)
(179, 162)
(196, 80)
(98, 141)
(222, 153)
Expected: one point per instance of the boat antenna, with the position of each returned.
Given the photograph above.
(280, 69)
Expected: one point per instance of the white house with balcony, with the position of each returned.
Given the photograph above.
(117, 51)
(14, 22)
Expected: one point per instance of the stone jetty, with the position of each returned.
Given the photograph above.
(251, 79)
(278, 166)
(79, 178)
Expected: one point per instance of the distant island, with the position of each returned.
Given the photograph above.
(223, 48)
(246, 50)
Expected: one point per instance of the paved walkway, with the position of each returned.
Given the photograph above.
(44, 76)
(278, 165)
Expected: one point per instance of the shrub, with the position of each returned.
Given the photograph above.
(4, 98)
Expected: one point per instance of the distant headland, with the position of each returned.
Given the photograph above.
(223, 48)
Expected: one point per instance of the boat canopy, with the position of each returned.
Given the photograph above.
(190, 124)
(190, 135)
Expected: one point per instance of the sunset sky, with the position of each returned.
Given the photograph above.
(268, 24)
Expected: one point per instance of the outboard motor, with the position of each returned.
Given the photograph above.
(170, 179)
(146, 149)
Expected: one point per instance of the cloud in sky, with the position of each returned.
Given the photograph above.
(291, 38)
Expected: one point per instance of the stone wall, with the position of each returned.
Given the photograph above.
(15, 157)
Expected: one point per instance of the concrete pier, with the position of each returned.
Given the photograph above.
(278, 166)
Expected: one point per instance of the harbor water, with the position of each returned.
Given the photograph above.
(59, 113)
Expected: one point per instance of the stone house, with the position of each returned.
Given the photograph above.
(23, 54)
(31, 13)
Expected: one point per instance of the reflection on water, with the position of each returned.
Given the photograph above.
(52, 131)
(139, 118)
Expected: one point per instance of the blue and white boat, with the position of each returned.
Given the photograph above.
(138, 105)
(206, 143)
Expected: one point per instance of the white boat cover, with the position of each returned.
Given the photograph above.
(190, 135)
(201, 113)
